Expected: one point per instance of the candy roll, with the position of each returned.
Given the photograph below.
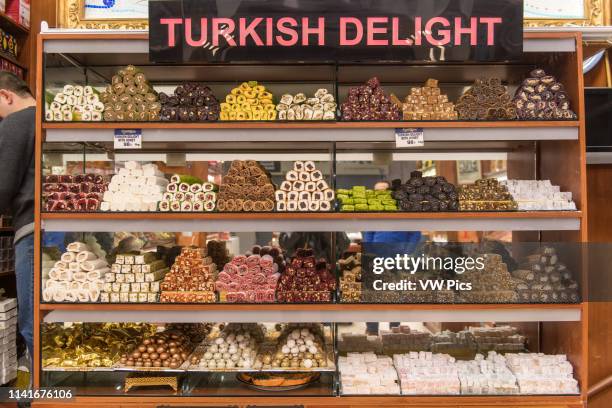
(49, 117)
(77, 90)
(292, 175)
(197, 206)
(195, 188)
(179, 196)
(316, 175)
(210, 196)
(304, 196)
(54, 273)
(68, 257)
(74, 266)
(280, 195)
(314, 206)
(186, 206)
(209, 206)
(184, 187)
(309, 166)
(172, 187)
(303, 206)
(293, 196)
(329, 194)
(70, 297)
(175, 179)
(310, 186)
(189, 196)
(85, 256)
(58, 116)
(94, 294)
(286, 186)
(175, 206)
(48, 294)
(68, 89)
(66, 116)
(298, 166)
(324, 205)
(60, 265)
(208, 186)
(59, 295)
(281, 206)
(292, 205)
(89, 266)
(298, 186)
(97, 274)
(60, 98)
(304, 176)
(96, 116)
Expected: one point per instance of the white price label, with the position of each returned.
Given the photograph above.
(409, 137)
(128, 139)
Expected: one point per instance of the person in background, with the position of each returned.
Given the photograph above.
(409, 240)
(17, 140)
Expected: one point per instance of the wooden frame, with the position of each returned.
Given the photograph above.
(573, 153)
(594, 15)
(71, 14)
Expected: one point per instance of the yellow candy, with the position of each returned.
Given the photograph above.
(241, 116)
(230, 99)
(236, 91)
(250, 94)
(256, 115)
(225, 107)
(249, 115)
(265, 101)
(235, 107)
(270, 108)
(265, 95)
(258, 108)
(272, 115)
(232, 115)
(245, 107)
(260, 89)
(241, 99)
(252, 102)
(245, 87)
(224, 116)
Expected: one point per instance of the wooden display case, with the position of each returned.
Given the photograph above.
(553, 150)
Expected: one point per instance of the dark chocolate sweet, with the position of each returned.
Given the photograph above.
(191, 102)
(541, 96)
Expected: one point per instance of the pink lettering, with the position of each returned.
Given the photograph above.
(490, 22)
(395, 29)
(418, 30)
(373, 30)
(319, 31)
(344, 22)
(171, 22)
(225, 32)
(269, 31)
(189, 33)
(472, 30)
(249, 31)
(445, 34)
(281, 26)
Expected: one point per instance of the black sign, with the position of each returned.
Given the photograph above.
(188, 31)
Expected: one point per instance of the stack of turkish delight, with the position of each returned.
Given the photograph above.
(137, 187)
(425, 373)
(499, 339)
(490, 376)
(542, 277)
(367, 373)
(539, 195)
(80, 192)
(491, 284)
(306, 280)
(188, 193)
(350, 279)
(191, 278)
(75, 103)
(537, 373)
(134, 278)
(402, 339)
(77, 277)
(251, 278)
(304, 190)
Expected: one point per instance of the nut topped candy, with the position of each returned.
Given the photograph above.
(541, 96)
(369, 102)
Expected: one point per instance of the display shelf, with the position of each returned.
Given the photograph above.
(366, 401)
(12, 26)
(322, 222)
(314, 131)
(100, 42)
(306, 313)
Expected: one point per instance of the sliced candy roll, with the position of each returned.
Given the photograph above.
(304, 196)
(281, 206)
(280, 195)
(304, 176)
(293, 196)
(310, 186)
(292, 205)
(175, 206)
(324, 206)
(286, 185)
(303, 205)
(298, 185)
(292, 175)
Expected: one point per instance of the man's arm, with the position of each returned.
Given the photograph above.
(15, 158)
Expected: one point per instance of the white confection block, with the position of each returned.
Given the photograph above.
(8, 304)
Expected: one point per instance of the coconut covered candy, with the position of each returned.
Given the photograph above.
(306, 280)
(246, 187)
(251, 278)
(425, 194)
(249, 101)
(486, 99)
(190, 102)
(188, 193)
(191, 278)
(486, 195)
(130, 97)
(304, 189)
(369, 102)
(75, 103)
(322, 106)
(299, 347)
(428, 103)
(542, 96)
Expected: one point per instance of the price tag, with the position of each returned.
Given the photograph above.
(128, 139)
(409, 137)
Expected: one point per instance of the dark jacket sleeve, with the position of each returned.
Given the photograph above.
(15, 157)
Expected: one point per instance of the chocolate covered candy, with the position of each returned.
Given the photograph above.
(425, 194)
(486, 99)
(190, 102)
(541, 96)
